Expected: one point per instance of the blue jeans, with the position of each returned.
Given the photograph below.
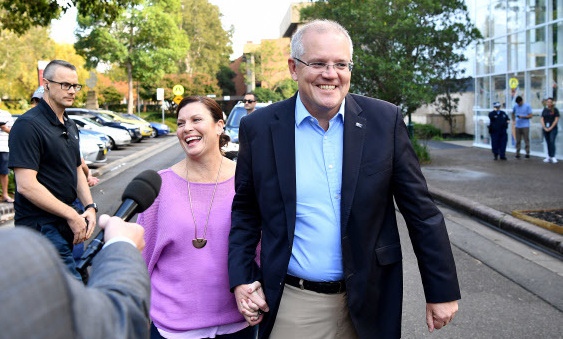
(51, 232)
(550, 140)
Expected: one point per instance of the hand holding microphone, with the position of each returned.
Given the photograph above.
(115, 227)
(137, 197)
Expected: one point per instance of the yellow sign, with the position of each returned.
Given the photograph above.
(177, 99)
(178, 90)
(513, 83)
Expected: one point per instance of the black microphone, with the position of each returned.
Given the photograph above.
(137, 197)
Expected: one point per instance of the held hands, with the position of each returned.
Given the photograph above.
(441, 314)
(251, 302)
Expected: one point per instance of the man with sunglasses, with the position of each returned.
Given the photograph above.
(249, 102)
(317, 180)
(45, 157)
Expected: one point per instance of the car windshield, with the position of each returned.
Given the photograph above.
(130, 116)
(234, 118)
(90, 120)
(105, 117)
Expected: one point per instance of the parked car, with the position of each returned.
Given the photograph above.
(145, 127)
(103, 137)
(118, 136)
(231, 128)
(233, 120)
(158, 128)
(92, 148)
(106, 120)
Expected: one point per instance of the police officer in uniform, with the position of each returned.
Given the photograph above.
(497, 129)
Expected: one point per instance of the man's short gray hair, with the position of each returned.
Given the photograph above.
(49, 71)
(297, 48)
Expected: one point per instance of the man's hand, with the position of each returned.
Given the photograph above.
(116, 227)
(251, 302)
(439, 315)
(79, 228)
(92, 180)
(90, 215)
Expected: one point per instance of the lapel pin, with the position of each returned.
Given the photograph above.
(359, 125)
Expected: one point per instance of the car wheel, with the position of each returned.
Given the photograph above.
(112, 144)
(154, 133)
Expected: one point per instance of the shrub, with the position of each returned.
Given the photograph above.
(427, 132)
(421, 151)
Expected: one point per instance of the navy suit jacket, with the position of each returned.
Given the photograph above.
(380, 169)
(39, 298)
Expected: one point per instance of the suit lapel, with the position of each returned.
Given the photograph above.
(354, 134)
(283, 138)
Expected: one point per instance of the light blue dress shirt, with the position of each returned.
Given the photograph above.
(316, 253)
(522, 111)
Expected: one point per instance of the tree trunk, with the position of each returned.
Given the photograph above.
(130, 107)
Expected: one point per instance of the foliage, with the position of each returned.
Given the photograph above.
(19, 54)
(286, 88)
(18, 70)
(266, 94)
(194, 84)
(146, 41)
(401, 46)
(426, 132)
(421, 151)
(225, 81)
(210, 45)
(19, 16)
(109, 95)
(271, 63)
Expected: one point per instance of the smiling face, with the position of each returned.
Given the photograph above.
(197, 131)
(322, 92)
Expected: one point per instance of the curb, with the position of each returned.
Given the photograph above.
(502, 220)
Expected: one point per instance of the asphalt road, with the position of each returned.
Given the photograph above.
(509, 288)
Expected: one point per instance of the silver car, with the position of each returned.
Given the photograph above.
(119, 137)
(93, 149)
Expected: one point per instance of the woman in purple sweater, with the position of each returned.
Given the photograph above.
(187, 230)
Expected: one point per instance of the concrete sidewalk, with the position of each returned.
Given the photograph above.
(467, 178)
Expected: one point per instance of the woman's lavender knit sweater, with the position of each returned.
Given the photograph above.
(189, 286)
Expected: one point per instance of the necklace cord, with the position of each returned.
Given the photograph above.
(210, 205)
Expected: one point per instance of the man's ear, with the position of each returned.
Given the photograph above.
(292, 65)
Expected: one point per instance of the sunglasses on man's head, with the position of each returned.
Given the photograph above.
(248, 101)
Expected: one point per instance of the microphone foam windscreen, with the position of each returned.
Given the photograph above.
(143, 189)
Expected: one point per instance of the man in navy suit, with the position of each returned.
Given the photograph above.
(317, 179)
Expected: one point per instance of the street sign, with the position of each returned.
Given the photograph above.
(177, 99)
(513, 83)
(178, 90)
(160, 94)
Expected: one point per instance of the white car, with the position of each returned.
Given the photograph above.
(119, 137)
(93, 149)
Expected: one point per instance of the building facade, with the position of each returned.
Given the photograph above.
(519, 56)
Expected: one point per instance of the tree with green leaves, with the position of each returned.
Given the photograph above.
(401, 46)
(145, 40)
(19, 16)
(210, 44)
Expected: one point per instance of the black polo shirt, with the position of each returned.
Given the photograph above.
(39, 141)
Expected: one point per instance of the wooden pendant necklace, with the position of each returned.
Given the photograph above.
(201, 242)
